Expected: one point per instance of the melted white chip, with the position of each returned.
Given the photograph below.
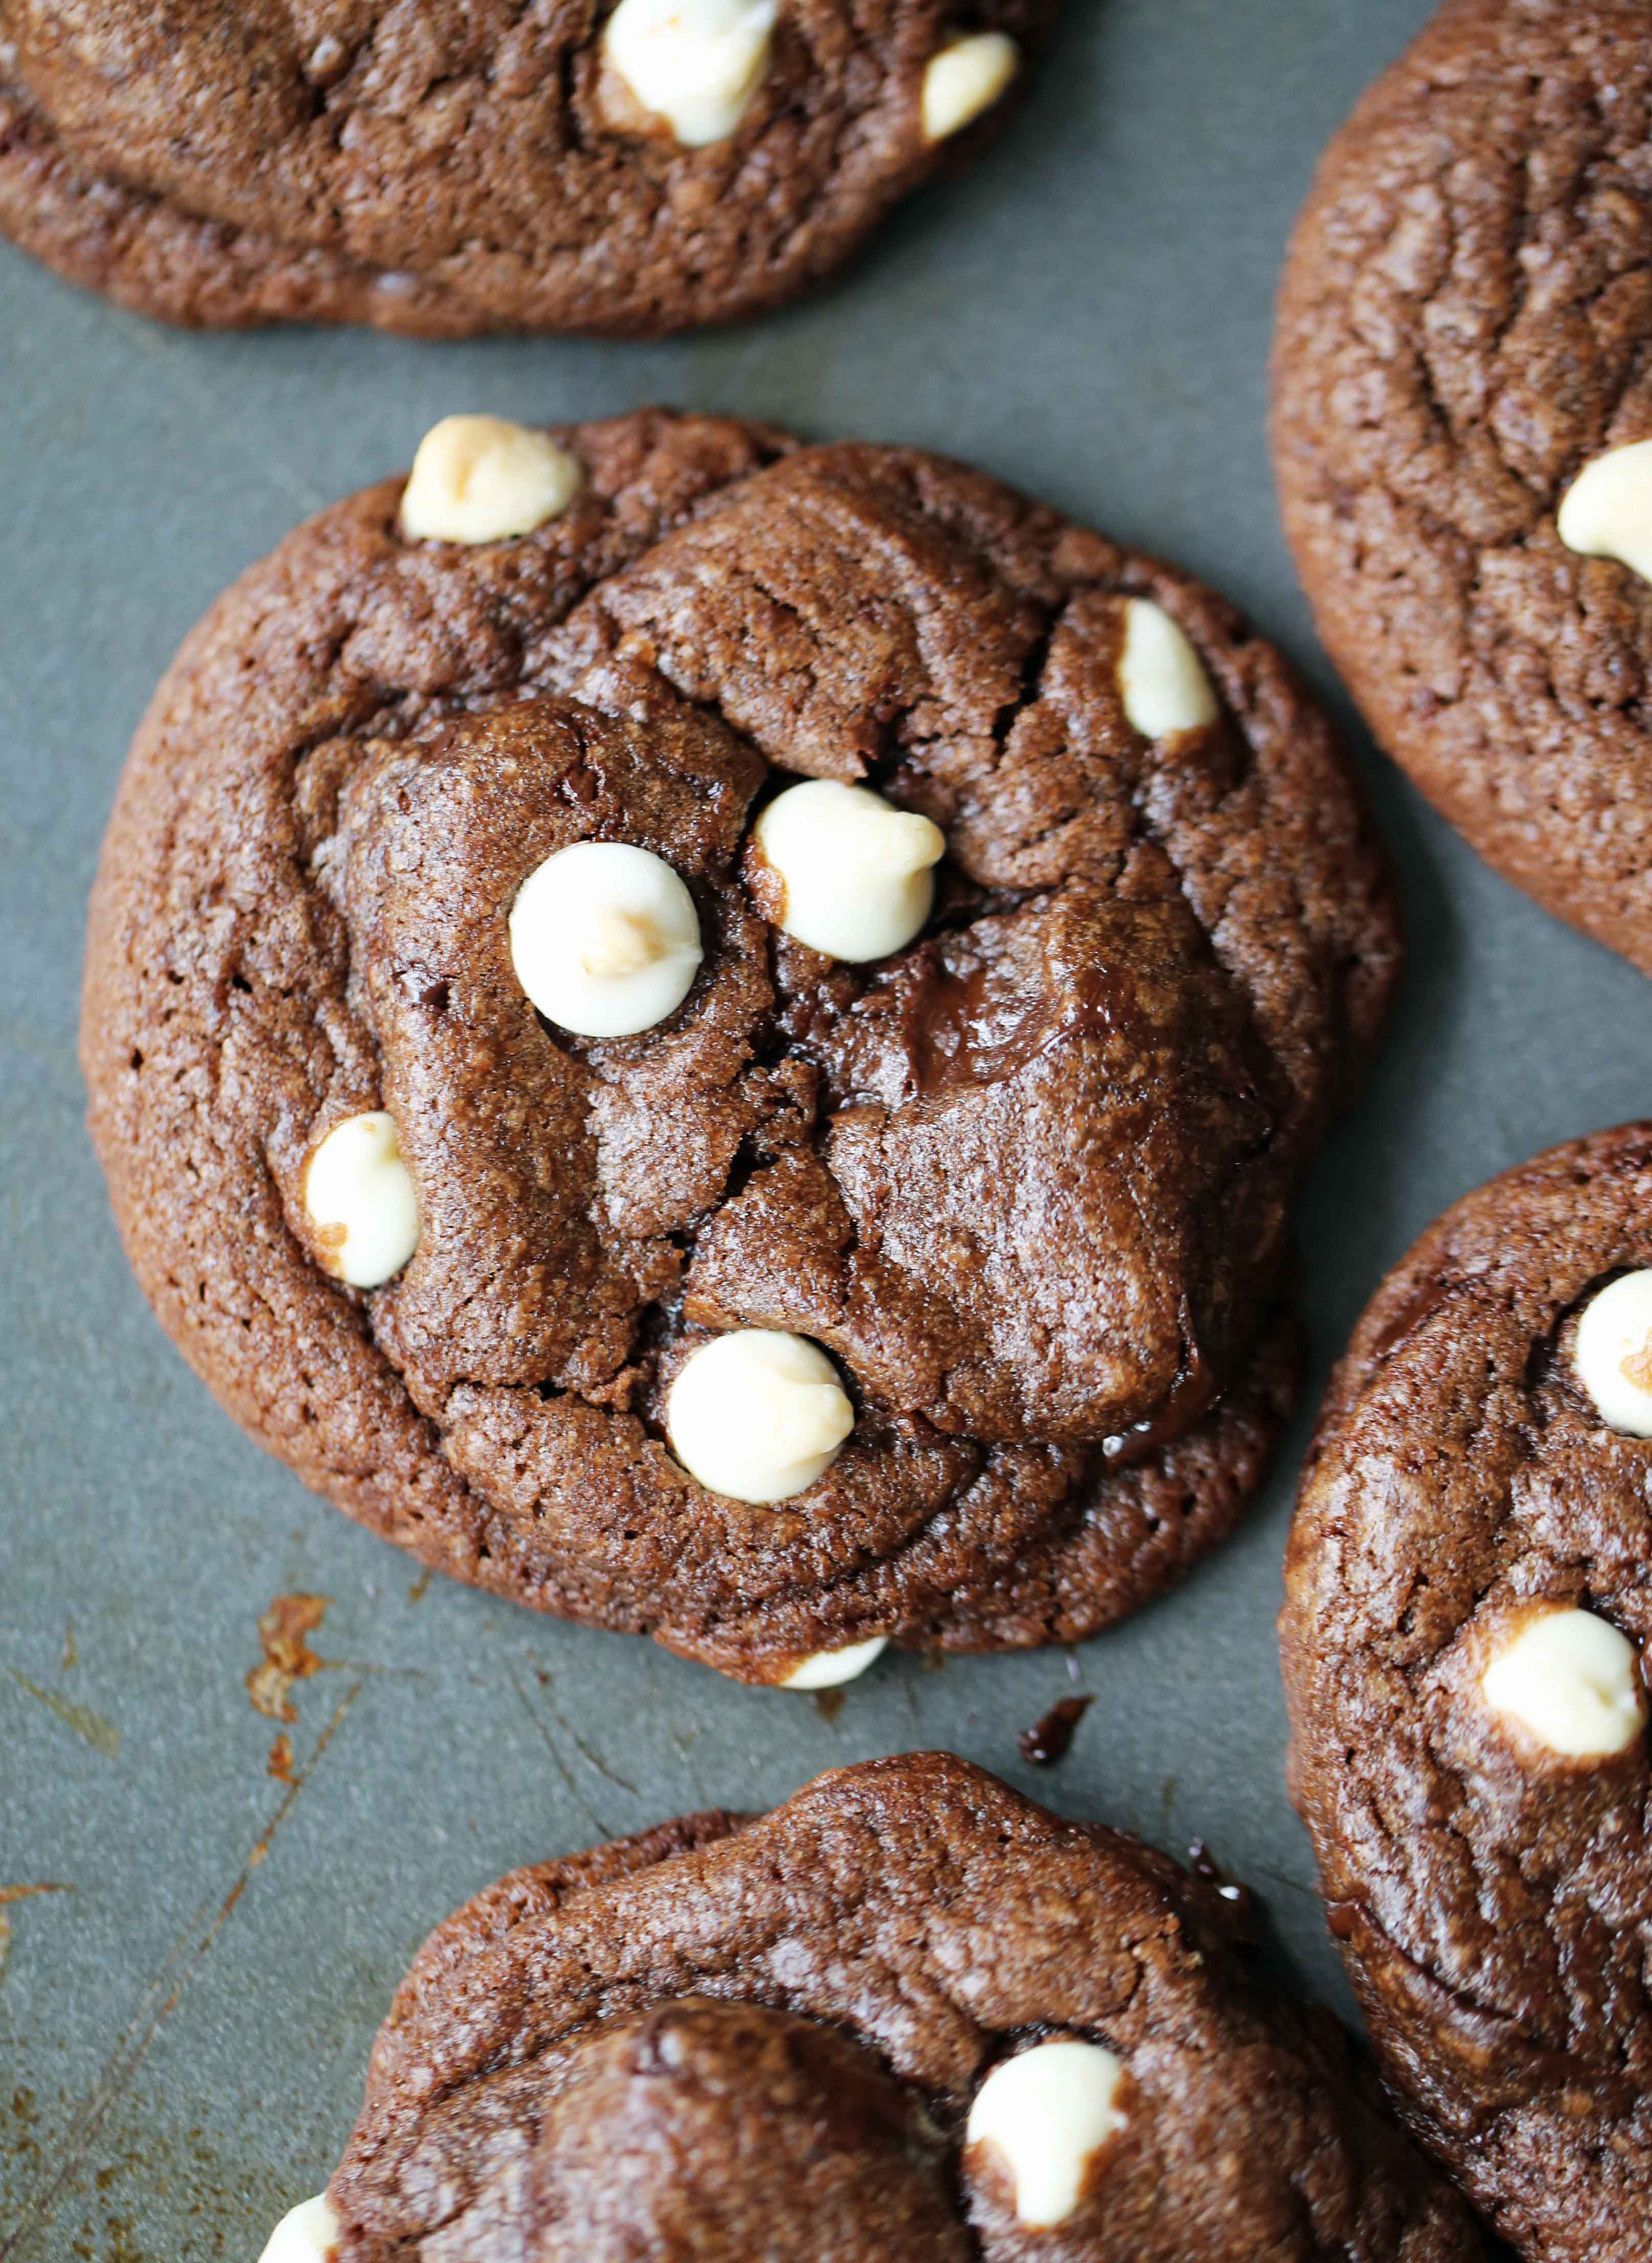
(966, 78)
(1161, 679)
(1046, 2114)
(854, 872)
(479, 479)
(757, 1415)
(1573, 1680)
(1613, 1355)
(306, 2234)
(695, 63)
(1607, 510)
(360, 1198)
(605, 939)
(827, 1668)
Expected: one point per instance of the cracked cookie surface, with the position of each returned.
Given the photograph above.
(1463, 331)
(443, 170)
(737, 2036)
(1492, 1894)
(1028, 1181)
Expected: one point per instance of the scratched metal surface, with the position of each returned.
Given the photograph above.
(195, 1954)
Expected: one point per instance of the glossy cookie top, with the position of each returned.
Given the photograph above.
(643, 167)
(734, 1064)
(907, 2013)
(1462, 409)
(1464, 1633)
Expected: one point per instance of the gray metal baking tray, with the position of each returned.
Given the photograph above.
(185, 2017)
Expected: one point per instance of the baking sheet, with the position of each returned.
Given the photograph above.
(185, 2018)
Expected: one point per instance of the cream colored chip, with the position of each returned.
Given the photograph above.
(757, 1415)
(1572, 1681)
(479, 479)
(966, 78)
(605, 939)
(1044, 2115)
(360, 1199)
(306, 2234)
(1613, 1354)
(828, 1669)
(1607, 510)
(695, 63)
(1161, 679)
(854, 873)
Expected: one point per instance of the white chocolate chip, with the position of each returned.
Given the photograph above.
(479, 479)
(757, 1415)
(605, 939)
(695, 63)
(827, 1668)
(1161, 679)
(1046, 2114)
(965, 79)
(1573, 1682)
(360, 1201)
(1607, 510)
(306, 2234)
(854, 872)
(1613, 1354)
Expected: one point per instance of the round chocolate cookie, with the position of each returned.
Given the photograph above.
(1463, 436)
(905, 2014)
(1469, 1603)
(735, 1066)
(638, 167)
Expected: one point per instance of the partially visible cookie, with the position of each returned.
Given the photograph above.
(1469, 1606)
(905, 2014)
(640, 168)
(733, 1062)
(1462, 426)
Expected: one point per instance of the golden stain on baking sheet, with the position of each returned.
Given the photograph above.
(63, 2173)
(149, 2162)
(10, 1894)
(284, 1630)
(101, 1735)
(280, 1764)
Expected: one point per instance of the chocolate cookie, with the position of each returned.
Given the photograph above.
(581, 166)
(558, 1092)
(1463, 435)
(1469, 1603)
(907, 2015)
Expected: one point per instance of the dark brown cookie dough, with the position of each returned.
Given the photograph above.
(1492, 1891)
(1463, 329)
(740, 2037)
(1028, 1181)
(443, 170)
